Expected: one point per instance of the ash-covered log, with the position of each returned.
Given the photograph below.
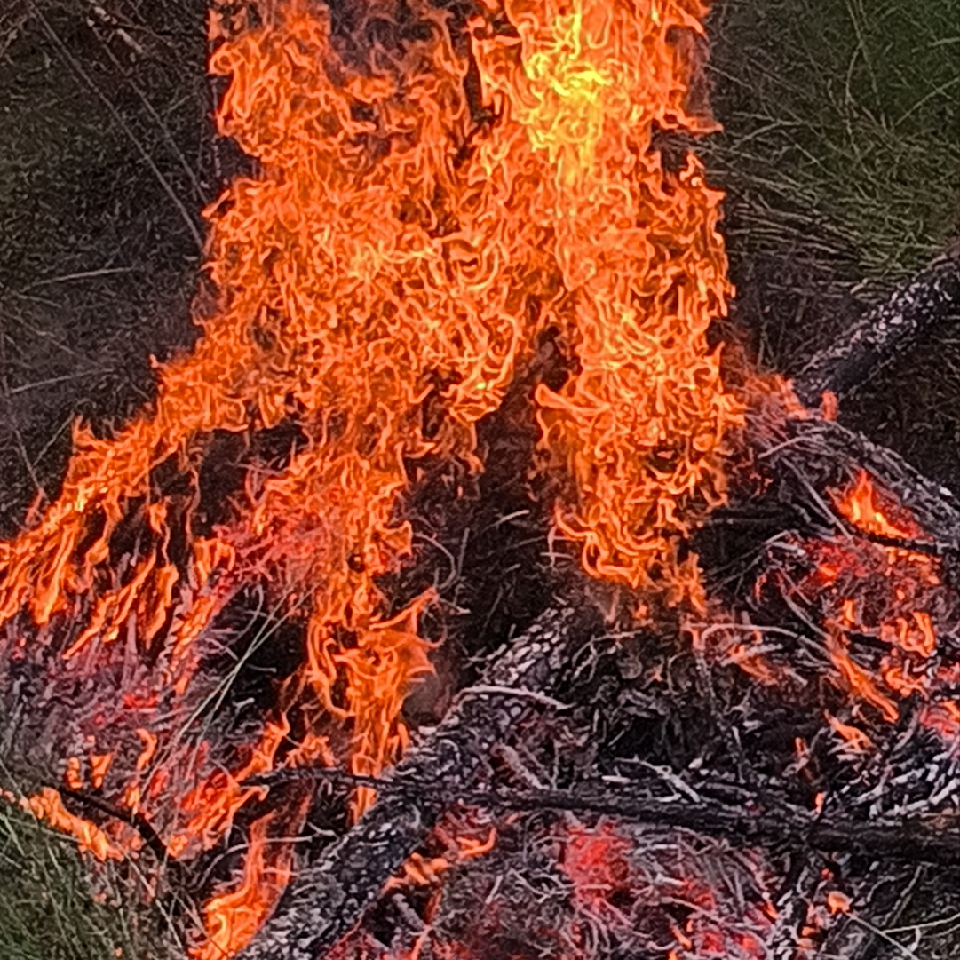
(330, 895)
(884, 333)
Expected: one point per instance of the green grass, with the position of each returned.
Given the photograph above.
(842, 131)
(840, 157)
(56, 906)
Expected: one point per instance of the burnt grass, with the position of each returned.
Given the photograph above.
(107, 159)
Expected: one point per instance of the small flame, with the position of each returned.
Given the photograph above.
(893, 594)
(857, 680)
(231, 919)
(863, 507)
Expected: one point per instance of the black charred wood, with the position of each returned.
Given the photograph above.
(884, 333)
(330, 895)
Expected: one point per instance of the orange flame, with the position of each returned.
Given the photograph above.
(380, 283)
(891, 593)
(858, 680)
(862, 506)
(232, 918)
(48, 806)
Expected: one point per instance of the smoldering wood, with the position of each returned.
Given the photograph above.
(814, 450)
(884, 333)
(934, 841)
(330, 894)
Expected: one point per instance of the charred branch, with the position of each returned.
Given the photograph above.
(884, 333)
(814, 450)
(752, 819)
(151, 839)
(798, 891)
(914, 841)
(330, 894)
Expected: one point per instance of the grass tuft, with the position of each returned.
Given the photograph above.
(57, 905)
(842, 132)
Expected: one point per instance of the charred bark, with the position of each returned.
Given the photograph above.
(330, 895)
(799, 889)
(884, 333)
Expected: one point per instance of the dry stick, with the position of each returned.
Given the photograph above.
(13, 31)
(331, 894)
(884, 333)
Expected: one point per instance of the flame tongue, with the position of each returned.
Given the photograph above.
(637, 253)
(380, 282)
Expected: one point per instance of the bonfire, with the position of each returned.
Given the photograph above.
(458, 596)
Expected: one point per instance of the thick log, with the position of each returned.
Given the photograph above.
(331, 894)
(884, 333)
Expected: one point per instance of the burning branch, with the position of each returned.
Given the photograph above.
(329, 895)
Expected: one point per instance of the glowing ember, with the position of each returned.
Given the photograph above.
(884, 597)
(668, 894)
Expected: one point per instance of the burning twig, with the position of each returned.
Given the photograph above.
(151, 839)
